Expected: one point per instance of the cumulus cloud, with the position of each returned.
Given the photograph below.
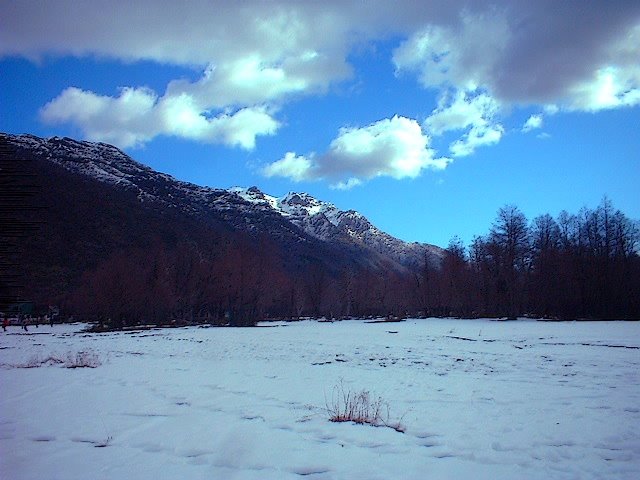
(347, 185)
(295, 167)
(463, 55)
(551, 109)
(227, 105)
(461, 110)
(253, 80)
(580, 57)
(394, 147)
(477, 136)
(533, 122)
(200, 33)
(576, 55)
(475, 113)
(125, 120)
(254, 57)
(522, 50)
(609, 87)
(136, 116)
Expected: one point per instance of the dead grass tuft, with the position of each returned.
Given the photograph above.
(361, 408)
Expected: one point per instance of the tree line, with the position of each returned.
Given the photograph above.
(235, 283)
(575, 266)
(582, 266)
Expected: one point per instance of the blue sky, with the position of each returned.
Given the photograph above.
(425, 118)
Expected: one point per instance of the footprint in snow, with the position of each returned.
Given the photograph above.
(310, 470)
(150, 447)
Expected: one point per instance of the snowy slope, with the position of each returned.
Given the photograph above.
(479, 399)
(242, 207)
(325, 221)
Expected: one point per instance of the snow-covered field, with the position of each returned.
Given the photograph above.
(479, 399)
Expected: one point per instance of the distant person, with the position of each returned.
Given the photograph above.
(5, 323)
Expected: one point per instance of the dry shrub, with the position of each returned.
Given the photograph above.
(360, 407)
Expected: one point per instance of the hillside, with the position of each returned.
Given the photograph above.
(88, 213)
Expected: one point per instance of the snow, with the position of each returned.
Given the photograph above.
(299, 205)
(479, 399)
(300, 208)
(256, 197)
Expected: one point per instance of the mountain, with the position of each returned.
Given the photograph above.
(86, 206)
(239, 206)
(326, 222)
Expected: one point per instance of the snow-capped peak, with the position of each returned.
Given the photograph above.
(294, 205)
(303, 204)
(256, 196)
(316, 218)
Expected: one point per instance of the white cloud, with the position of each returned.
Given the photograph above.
(200, 33)
(243, 126)
(461, 110)
(346, 185)
(609, 88)
(521, 55)
(394, 147)
(197, 110)
(474, 112)
(477, 136)
(614, 82)
(295, 167)
(533, 122)
(252, 80)
(136, 116)
(256, 56)
(126, 120)
(551, 109)
(463, 54)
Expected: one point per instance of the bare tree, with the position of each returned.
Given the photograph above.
(510, 235)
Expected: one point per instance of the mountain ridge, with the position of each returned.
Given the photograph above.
(321, 220)
(108, 239)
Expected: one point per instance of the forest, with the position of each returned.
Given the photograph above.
(576, 266)
(582, 266)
